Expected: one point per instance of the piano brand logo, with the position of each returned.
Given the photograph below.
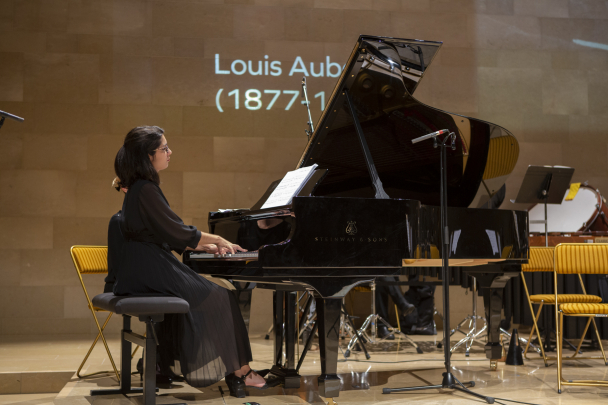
(347, 239)
(351, 229)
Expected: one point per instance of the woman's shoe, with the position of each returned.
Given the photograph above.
(236, 385)
(174, 377)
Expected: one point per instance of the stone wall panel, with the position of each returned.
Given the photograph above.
(84, 72)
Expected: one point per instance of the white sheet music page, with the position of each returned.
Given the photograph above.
(290, 186)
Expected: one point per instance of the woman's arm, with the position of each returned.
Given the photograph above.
(164, 223)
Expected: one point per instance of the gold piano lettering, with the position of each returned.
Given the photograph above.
(343, 239)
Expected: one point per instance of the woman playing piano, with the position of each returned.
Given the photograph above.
(210, 342)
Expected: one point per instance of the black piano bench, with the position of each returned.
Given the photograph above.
(149, 310)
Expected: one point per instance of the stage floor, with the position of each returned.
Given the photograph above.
(391, 365)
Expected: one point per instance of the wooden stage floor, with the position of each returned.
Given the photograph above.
(391, 365)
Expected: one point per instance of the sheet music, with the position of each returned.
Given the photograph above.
(290, 186)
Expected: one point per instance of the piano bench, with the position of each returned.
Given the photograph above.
(149, 310)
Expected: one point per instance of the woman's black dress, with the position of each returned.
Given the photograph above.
(211, 340)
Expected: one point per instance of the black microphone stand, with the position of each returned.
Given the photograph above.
(310, 129)
(449, 381)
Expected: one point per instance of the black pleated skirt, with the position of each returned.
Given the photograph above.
(211, 340)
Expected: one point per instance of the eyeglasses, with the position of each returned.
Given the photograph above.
(164, 149)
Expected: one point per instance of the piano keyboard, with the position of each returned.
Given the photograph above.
(238, 255)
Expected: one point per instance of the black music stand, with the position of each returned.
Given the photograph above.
(449, 381)
(544, 185)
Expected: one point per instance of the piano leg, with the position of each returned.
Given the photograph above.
(328, 317)
(285, 314)
(290, 329)
(277, 319)
(492, 298)
(492, 287)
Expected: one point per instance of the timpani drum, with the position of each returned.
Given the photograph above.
(586, 212)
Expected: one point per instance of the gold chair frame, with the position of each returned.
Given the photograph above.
(93, 260)
(537, 264)
(601, 249)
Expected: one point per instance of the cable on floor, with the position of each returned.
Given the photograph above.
(405, 361)
(517, 402)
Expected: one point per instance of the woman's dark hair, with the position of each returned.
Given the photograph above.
(132, 161)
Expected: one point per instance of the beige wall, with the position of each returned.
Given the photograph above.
(83, 73)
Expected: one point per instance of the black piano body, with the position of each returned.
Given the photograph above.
(371, 208)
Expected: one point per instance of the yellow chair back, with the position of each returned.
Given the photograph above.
(90, 259)
(581, 258)
(541, 259)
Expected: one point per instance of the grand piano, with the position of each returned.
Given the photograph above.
(371, 209)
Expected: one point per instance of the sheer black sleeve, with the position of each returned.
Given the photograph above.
(163, 222)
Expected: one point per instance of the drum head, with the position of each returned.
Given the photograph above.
(569, 216)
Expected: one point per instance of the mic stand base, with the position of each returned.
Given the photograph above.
(449, 382)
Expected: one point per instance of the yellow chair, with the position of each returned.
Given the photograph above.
(541, 259)
(93, 260)
(579, 258)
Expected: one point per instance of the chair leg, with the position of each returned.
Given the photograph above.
(540, 338)
(125, 364)
(99, 334)
(125, 355)
(149, 366)
(599, 340)
(580, 343)
(103, 338)
(559, 330)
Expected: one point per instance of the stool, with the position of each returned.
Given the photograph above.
(149, 310)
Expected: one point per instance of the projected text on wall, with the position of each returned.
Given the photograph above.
(257, 99)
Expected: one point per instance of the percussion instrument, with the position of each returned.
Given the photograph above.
(586, 212)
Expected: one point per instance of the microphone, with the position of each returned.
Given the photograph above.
(303, 88)
(4, 114)
(431, 135)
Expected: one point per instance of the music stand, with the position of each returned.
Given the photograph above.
(544, 185)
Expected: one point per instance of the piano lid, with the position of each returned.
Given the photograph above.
(381, 75)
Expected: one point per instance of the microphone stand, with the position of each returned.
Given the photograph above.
(310, 129)
(449, 381)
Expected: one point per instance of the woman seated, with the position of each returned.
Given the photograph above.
(210, 342)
